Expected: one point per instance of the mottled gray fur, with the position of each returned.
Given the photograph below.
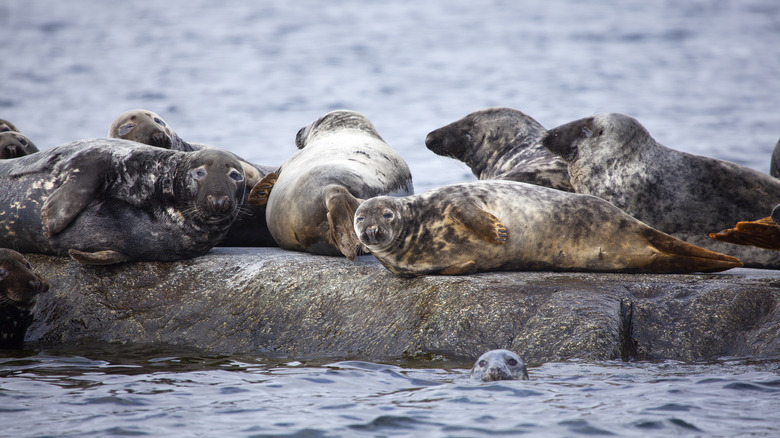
(499, 365)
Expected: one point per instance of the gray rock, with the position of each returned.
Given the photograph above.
(272, 302)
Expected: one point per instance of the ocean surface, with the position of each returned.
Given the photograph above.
(701, 76)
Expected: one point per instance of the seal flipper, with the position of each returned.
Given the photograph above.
(261, 190)
(459, 269)
(677, 256)
(763, 233)
(85, 180)
(482, 223)
(341, 206)
(106, 257)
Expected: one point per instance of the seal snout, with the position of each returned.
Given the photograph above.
(372, 235)
(218, 204)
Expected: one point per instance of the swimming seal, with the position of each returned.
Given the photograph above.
(19, 288)
(506, 225)
(14, 145)
(341, 160)
(499, 365)
(501, 143)
(105, 201)
(612, 156)
(144, 126)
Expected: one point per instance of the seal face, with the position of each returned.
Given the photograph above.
(341, 160)
(144, 126)
(107, 201)
(506, 225)
(613, 156)
(501, 143)
(19, 288)
(14, 145)
(499, 365)
(5, 126)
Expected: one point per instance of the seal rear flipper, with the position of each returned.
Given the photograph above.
(482, 223)
(459, 269)
(763, 233)
(261, 190)
(677, 256)
(106, 257)
(341, 206)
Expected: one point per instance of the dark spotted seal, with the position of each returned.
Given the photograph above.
(144, 126)
(14, 145)
(341, 160)
(499, 365)
(19, 288)
(506, 225)
(501, 143)
(5, 125)
(612, 156)
(107, 201)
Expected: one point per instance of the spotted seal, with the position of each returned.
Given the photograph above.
(5, 126)
(493, 225)
(613, 156)
(501, 143)
(105, 201)
(14, 145)
(341, 159)
(147, 127)
(19, 288)
(499, 365)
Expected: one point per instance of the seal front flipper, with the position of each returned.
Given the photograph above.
(106, 257)
(341, 206)
(482, 223)
(763, 233)
(261, 190)
(86, 178)
(459, 269)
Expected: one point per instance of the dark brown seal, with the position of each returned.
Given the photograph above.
(501, 143)
(19, 288)
(107, 201)
(14, 145)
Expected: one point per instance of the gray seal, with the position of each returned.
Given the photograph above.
(494, 225)
(146, 127)
(341, 159)
(19, 288)
(5, 126)
(499, 365)
(612, 156)
(14, 145)
(105, 201)
(774, 166)
(501, 143)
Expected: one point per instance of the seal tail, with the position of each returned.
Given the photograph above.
(763, 233)
(677, 256)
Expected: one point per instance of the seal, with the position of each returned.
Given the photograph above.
(763, 233)
(14, 145)
(341, 159)
(19, 288)
(774, 165)
(506, 225)
(613, 156)
(5, 125)
(499, 365)
(105, 201)
(501, 143)
(144, 126)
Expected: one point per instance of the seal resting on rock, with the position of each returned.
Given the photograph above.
(501, 143)
(107, 201)
(19, 288)
(144, 126)
(612, 156)
(506, 225)
(763, 233)
(499, 365)
(341, 160)
(5, 125)
(14, 145)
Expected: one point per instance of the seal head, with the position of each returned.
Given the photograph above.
(19, 285)
(144, 126)
(499, 365)
(14, 145)
(5, 125)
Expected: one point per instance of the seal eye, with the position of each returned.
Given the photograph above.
(198, 173)
(482, 363)
(124, 129)
(3, 273)
(235, 175)
(359, 218)
(512, 362)
(159, 121)
(23, 141)
(587, 132)
(387, 214)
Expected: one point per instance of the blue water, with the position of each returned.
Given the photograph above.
(700, 75)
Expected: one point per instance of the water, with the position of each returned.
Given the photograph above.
(700, 75)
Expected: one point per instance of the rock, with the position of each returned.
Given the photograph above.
(273, 302)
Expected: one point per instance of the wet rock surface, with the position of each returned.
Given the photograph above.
(272, 302)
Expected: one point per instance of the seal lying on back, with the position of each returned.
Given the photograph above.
(19, 288)
(144, 126)
(107, 201)
(612, 156)
(501, 143)
(499, 365)
(341, 159)
(14, 145)
(506, 225)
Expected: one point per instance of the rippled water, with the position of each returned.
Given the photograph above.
(701, 75)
